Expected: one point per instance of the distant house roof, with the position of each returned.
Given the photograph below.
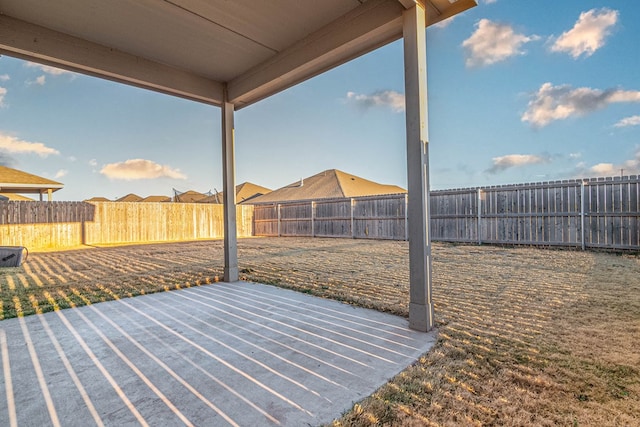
(244, 192)
(331, 183)
(129, 198)
(156, 199)
(15, 181)
(12, 196)
(98, 199)
(190, 196)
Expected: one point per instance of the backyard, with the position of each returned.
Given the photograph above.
(527, 336)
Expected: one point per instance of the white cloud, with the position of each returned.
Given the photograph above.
(588, 33)
(386, 98)
(133, 169)
(492, 42)
(552, 103)
(11, 144)
(40, 81)
(48, 69)
(93, 162)
(490, 1)
(3, 93)
(4, 77)
(503, 163)
(444, 23)
(627, 167)
(61, 173)
(602, 169)
(72, 158)
(575, 155)
(628, 121)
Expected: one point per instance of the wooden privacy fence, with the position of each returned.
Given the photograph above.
(595, 213)
(374, 217)
(27, 212)
(115, 223)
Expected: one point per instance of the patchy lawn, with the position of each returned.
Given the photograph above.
(527, 336)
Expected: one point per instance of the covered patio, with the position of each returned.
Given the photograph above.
(13, 181)
(231, 55)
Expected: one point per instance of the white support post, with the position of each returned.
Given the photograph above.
(415, 81)
(229, 196)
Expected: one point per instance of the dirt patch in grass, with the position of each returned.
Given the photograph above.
(526, 336)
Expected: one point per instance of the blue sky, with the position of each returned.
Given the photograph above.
(519, 91)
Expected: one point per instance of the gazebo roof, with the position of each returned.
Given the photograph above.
(202, 50)
(16, 181)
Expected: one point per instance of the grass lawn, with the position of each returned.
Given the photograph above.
(526, 336)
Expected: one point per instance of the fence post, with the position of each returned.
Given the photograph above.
(478, 227)
(406, 217)
(353, 231)
(582, 218)
(278, 209)
(313, 219)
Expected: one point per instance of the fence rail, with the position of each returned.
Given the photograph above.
(595, 213)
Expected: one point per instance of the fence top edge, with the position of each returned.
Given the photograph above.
(545, 184)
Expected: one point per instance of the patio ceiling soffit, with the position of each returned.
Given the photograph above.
(364, 28)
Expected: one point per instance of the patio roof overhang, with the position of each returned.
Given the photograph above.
(29, 188)
(235, 53)
(196, 48)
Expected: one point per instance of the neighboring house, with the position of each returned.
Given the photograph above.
(13, 181)
(98, 199)
(329, 184)
(129, 198)
(190, 196)
(156, 199)
(244, 192)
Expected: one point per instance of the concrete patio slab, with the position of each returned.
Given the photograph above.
(238, 354)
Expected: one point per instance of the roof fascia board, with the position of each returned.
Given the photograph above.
(434, 15)
(367, 27)
(6, 186)
(35, 43)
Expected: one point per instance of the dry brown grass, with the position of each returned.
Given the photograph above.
(526, 336)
